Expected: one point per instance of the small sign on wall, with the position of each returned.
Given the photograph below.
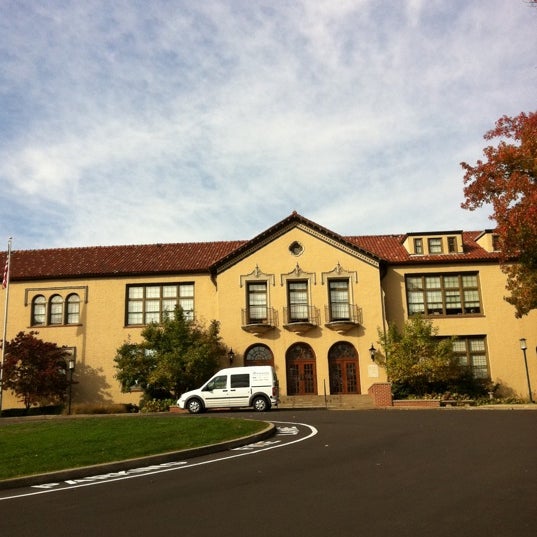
(373, 371)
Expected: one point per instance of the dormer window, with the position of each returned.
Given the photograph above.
(452, 245)
(435, 245)
(418, 246)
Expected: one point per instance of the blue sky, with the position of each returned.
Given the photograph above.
(130, 122)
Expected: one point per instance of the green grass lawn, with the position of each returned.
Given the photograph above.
(35, 447)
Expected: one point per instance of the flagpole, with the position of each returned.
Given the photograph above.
(5, 283)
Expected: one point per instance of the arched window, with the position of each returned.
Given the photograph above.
(56, 310)
(39, 310)
(259, 355)
(73, 309)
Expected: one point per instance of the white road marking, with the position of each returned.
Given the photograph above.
(161, 468)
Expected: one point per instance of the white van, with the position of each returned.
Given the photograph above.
(252, 386)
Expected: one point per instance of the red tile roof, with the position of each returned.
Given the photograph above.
(390, 248)
(203, 257)
(117, 260)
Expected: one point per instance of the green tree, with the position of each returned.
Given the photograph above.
(418, 362)
(176, 355)
(507, 180)
(35, 370)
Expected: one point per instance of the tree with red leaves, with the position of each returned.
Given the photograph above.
(507, 180)
(35, 370)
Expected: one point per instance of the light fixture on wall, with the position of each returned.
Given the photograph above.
(372, 352)
(231, 356)
(524, 347)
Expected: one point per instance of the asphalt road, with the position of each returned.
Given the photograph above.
(377, 473)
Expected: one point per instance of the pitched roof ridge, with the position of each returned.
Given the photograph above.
(390, 235)
(125, 246)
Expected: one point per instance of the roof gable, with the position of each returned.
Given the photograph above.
(295, 220)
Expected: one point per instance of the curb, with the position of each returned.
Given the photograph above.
(129, 464)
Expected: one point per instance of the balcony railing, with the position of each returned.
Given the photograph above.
(299, 318)
(259, 319)
(343, 316)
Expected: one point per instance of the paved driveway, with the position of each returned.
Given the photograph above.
(377, 473)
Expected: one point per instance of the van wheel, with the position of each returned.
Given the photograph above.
(260, 404)
(194, 406)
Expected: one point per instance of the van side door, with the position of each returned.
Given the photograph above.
(215, 392)
(239, 389)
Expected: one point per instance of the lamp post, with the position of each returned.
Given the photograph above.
(372, 352)
(231, 356)
(71, 366)
(524, 346)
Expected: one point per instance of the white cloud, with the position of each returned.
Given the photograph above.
(132, 122)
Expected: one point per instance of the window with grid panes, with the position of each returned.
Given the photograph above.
(39, 310)
(339, 300)
(298, 301)
(55, 310)
(435, 246)
(257, 302)
(153, 303)
(471, 352)
(443, 294)
(72, 315)
(258, 354)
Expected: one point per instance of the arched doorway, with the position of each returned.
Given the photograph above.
(343, 365)
(258, 355)
(301, 370)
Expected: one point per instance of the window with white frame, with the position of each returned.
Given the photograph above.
(153, 303)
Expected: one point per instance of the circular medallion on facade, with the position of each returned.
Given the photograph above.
(296, 248)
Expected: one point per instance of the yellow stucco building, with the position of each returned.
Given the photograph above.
(298, 296)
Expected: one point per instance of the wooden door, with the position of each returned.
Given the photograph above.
(301, 370)
(343, 364)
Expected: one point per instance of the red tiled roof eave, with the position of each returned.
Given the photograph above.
(115, 261)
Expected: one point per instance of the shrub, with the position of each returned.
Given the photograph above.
(156, 405)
